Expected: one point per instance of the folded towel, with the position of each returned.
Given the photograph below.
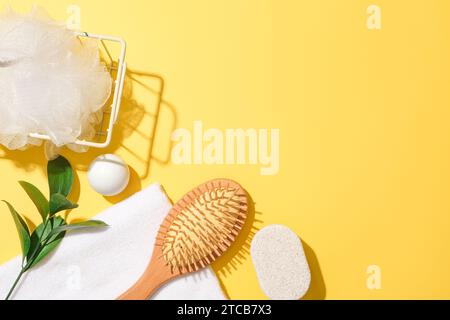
(102, 264)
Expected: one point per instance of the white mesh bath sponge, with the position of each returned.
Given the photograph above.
(280, 263)
(51, 82)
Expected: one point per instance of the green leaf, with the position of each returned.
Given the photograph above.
(37, 197)
(22, 229)
(58, 203)
(39, 233)
(60, 176)
(80, 225)
(37, 249)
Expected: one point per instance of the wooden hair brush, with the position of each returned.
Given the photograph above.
(198, 229)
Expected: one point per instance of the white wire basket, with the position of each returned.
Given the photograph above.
(117, 68)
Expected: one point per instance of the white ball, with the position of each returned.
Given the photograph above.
(108, 175)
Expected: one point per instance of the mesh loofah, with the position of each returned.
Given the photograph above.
(51, 82)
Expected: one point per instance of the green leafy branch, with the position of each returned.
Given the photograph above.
(46, 237)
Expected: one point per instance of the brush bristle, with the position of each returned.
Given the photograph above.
(202, 225)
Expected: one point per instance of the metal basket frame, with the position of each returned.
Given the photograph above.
(121, 68)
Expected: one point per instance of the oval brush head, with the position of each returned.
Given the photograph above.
(198, 229)
(202, 225)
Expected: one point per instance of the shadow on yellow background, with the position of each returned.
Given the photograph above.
(131, 116)
(317, 289)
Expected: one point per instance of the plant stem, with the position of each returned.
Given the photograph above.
(36, 254)
(15, 284)
(38, 248)
(25, 268)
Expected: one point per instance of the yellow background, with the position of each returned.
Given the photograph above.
(364, 118)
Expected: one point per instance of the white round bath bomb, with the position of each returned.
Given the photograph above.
(109, 174)
(280, 263)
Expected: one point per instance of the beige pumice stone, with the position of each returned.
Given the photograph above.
(280, 263)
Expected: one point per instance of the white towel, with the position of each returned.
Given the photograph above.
(103, 264)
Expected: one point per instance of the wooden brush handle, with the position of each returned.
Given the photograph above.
(155, 275)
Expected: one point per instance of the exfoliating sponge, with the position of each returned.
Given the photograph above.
(280, 263)
(51, 81)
